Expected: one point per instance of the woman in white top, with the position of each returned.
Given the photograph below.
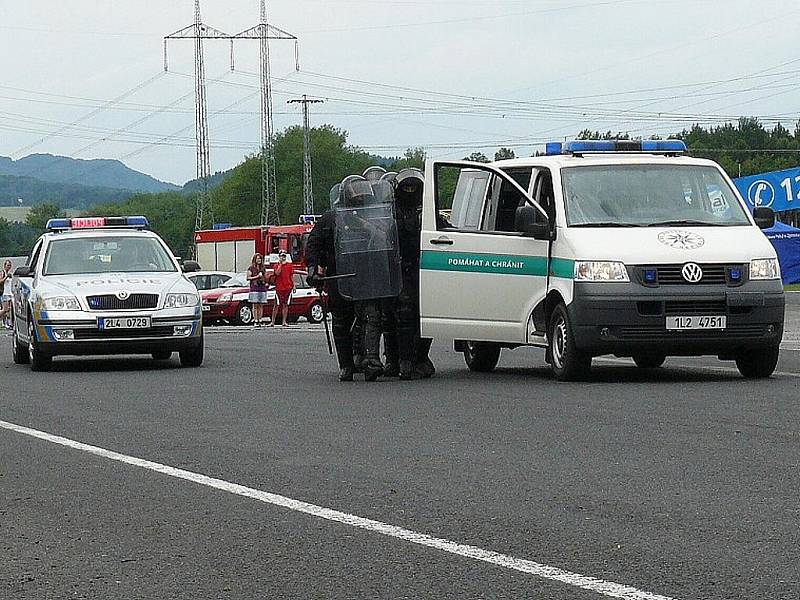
(5, 294)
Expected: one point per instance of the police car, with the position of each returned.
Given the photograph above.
(599, 247)
(104, 285)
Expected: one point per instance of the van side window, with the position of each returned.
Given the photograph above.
(500, 213)
(468, 194)
(543, 192)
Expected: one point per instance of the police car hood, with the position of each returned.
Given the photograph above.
(112, 283)
(666, 245)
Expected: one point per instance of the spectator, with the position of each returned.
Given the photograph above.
(284, 287)
(257, 277)
(5, 294)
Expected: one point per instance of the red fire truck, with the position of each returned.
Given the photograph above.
(232, 248)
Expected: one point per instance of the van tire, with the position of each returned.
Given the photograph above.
(758, 363)
(567, 362)
(481, 357)
(649, 361)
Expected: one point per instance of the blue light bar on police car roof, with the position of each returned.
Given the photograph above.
(137, 222)
(601, 146)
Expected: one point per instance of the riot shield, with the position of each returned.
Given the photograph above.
(373, 174)
(367, 249)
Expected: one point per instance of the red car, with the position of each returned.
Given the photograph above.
(230, 302)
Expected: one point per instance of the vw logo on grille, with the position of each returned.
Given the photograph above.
(123, 295)
(692, 272)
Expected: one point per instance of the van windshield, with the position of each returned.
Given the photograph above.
(649, 196)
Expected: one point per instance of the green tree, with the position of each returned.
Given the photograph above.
(504, 154)
(41, 213)
(477, 157)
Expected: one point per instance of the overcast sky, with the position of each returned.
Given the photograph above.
(454, 75)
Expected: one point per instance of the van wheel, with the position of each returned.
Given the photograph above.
(244, 316)
(192, 357)
(19, 352)
(649, 361)
(567, 362)
(38, 361)
(481, 357)
(758, 364)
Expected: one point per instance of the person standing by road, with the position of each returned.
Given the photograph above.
(258, 287)
(5, 294)
(284, 288)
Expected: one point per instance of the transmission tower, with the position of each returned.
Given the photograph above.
(264, 32)
(308, 186)
(199, 31)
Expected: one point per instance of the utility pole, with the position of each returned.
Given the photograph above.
(264, 32)
(198, 32)
(308, 186)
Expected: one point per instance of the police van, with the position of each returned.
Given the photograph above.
(103, 285)
(599, 247)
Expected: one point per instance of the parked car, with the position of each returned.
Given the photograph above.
(229, 303)
(209, 280)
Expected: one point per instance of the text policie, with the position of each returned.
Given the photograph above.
(364, 254)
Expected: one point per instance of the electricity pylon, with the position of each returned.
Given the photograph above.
(264, 32)
(308, 186)
(199, 31)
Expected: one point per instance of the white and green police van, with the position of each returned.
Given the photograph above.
(599, 247)
(104, 285)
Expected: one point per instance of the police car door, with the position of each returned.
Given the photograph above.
(480, 279)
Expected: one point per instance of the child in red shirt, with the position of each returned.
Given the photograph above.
(284, 287)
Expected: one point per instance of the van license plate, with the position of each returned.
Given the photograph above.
(697, 322)
(124, 323)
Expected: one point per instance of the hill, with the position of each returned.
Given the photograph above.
(66, 195)
(95, 173)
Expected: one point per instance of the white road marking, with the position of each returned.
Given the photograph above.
(600, 586)
(729, 370)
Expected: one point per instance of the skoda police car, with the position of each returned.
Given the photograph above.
(599, 247)
(104, 285)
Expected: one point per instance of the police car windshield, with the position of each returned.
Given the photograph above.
(649, 196)
(117, 254)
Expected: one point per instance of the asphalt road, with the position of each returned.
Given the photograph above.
(681, 482)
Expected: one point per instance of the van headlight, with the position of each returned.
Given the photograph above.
(181, 300)
(600, 271)
(765, 268)
(61, 303)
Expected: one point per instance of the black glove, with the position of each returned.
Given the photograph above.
(313, 279)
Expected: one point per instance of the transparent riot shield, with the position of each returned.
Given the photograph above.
(367, 248)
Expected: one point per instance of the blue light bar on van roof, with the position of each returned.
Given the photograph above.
(602, 146)
(97, 223)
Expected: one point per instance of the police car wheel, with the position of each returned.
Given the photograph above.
(759, 363)
(649, 361)
(567, 362)
(244, 316)
(192, 357)
(162, 355)
(19, 351)
(481, 357)
(38, 361)
(316, 313)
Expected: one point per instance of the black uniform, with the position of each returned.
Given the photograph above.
(321, 252)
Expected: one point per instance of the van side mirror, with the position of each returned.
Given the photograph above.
(25, 271)
(190, 266)
(528, 222)
(764, 217)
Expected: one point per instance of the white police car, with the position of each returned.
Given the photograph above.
(599, 247)
(104, 285)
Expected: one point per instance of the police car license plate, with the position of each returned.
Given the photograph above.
(124, 323)
(697, 322)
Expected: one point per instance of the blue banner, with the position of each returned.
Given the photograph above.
(778, 190)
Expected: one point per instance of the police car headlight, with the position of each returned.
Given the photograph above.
(61, 303)
(181, 300)
(600, 271)
(765, 268)
(226, 297)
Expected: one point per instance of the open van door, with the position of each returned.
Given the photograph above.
(482, 270)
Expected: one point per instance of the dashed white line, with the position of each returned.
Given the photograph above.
(592, 584)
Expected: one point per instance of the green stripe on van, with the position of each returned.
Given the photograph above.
(501, 264)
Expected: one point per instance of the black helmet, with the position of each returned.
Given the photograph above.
(356, 191)
(409, 181)
(373, 173)
(390, 177)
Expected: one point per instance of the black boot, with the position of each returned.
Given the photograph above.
(346, 374)
(392, 369)
(408, 371)
(426, 368)
(358, 363)
(373, 368)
